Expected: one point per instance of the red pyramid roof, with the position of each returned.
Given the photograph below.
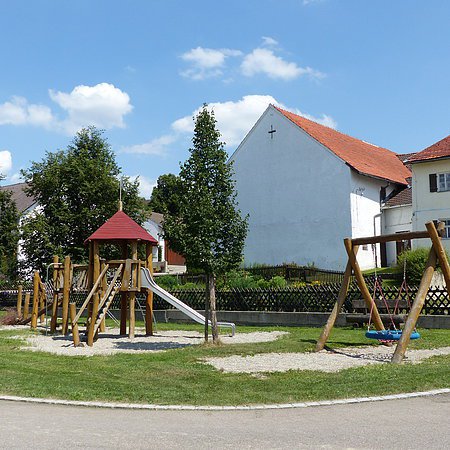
(366, 158)
(121, 227)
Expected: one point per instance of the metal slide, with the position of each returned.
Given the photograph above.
(148, 282)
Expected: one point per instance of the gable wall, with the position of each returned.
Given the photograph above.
(296, 193)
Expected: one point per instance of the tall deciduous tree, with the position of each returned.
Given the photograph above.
(77, 190)
(166, 194)
(208, 229)
(9, 234)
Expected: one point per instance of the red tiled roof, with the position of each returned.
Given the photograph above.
(121, 227)
(440, 149)
(402, 198)
(365, 158)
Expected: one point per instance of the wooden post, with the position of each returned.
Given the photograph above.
(124, 298)
(54, 319)
(95, 297)
(66, 294)
(132, 294)
(35, 308)
(440, 252)
(149, 299)
(416, 307)
(75, 333)
(19, 300)
(26, 306)
(337, 306)
(91, 280)
(362, 285)
(104, 287)
(42, 300)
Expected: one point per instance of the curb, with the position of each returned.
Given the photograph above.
(138, 406)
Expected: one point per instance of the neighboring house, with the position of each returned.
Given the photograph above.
(396, 217)
(24, 203)
(163, 253)
(306, 187)
(431, 188)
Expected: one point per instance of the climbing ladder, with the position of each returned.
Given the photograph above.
(104, 303)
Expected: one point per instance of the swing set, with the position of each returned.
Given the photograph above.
(392, 333)
(437, 253)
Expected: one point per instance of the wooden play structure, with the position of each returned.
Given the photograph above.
(103, 280)
(437, 253)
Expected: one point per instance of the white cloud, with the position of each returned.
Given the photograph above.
(263, 60)
(206, 62)
(15, 178)
(5, 161)
(145, 185)
(18, 111)
(156, 146)
(102, 105)
(269, 42)
(235, 119)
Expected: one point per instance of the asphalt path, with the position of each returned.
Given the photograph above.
(421, 422)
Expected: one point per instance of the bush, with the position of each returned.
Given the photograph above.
(416, 261)
(277, 282)
(167, 282)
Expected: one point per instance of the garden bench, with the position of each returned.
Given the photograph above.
(361, 315)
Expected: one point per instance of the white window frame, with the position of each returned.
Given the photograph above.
(446, 229)
(445, 181)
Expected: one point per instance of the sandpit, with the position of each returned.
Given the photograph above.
(323, 361)
(110, 342)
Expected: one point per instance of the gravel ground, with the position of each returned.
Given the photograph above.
(110, 343)
(324, 361)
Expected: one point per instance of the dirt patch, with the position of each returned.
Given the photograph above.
(110, 342)
(323, 361)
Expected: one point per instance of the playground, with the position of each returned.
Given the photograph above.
(82, 352)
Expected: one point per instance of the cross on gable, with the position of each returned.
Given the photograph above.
(271, 131)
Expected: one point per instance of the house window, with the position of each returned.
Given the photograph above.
(443, 181)
(447, 228)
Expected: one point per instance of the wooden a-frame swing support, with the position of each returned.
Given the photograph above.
(437, 253)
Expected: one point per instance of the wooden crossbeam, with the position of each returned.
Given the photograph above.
(409, 235)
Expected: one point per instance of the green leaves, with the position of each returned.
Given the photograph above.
(77, 190)
(9, 235)
(207, 228)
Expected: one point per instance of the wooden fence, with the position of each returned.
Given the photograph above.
(310, 298)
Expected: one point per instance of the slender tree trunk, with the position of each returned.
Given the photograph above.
(211, 285)
(207, 310)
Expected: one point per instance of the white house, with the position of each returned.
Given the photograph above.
(431, 188)
(306, 187)
(396, 217)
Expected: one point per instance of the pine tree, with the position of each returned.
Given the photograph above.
(208, 229)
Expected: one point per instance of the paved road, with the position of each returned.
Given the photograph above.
(401, 424)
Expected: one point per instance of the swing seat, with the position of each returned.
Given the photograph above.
(389, 335)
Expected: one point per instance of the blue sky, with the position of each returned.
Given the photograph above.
(377, 70)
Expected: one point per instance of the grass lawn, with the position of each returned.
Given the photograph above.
(176, 376)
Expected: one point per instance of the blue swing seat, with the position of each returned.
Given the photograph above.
(389, 335)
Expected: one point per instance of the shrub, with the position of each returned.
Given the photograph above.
(277, 282)
(167, 282)
(415, 263)
(10, 317)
